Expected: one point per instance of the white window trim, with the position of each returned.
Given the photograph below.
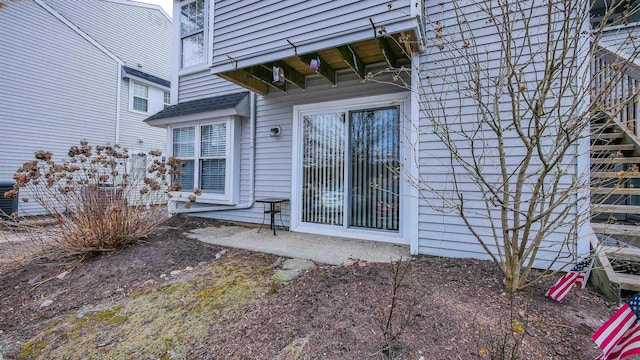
(165, 92)
(131, 96)
(232, 161)
(408, 209)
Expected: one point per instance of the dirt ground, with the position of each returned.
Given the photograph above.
(175, 298)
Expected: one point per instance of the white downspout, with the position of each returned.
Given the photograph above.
(118, 94)
(252, 170)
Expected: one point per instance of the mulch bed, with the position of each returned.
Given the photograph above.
(461, 309)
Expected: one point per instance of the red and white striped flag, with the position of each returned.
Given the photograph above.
(619, 337)
(577, 275)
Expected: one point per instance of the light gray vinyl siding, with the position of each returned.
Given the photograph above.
(135, 134)
(253, 32)
(274, 154)
(620, 40)
(135, 34)
(444, 233)
(56, 88)
(202, 85)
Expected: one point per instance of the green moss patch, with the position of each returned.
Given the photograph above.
(168, 320)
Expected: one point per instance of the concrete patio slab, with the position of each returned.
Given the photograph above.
(318, 248)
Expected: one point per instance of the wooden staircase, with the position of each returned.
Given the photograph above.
(615, 179)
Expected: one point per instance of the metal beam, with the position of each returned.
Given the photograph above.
(352, 59)
(324, 69)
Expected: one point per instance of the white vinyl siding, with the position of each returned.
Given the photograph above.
(49, 78)
(273, 168)
(443, 233)
(135, 134)
(309, 26)
(139, 36)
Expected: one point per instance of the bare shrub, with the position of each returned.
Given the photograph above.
(98, 203)
(401, 308)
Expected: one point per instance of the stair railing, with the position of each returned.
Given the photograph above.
(616, 88)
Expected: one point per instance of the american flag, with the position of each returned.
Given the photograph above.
(577, 275)
(619, 337)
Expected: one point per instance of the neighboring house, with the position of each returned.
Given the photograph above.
(73, 70)
(324, 139)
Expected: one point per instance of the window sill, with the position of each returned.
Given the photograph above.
(139, 112)
(222, 199)
(193, 69)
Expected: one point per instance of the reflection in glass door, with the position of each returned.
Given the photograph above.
(374, 147)
(323, 169)
(365, 183)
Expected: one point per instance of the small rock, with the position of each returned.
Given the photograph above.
(119, 290)
(149, 282)
(175, 272)
(46, 303)
(35, 279)
(220, 254)
(202, 263)
(162, 276)
(284, 276)
(188, 268)
(297, 264)
(137, 285)
(276, 263)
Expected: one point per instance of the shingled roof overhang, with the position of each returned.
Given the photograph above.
(130, 72)
(208, 108)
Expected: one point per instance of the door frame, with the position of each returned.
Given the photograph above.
(408, 209)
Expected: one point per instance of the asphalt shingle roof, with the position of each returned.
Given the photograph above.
(201, 105)
(145, 76)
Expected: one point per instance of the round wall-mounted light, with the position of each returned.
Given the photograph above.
(275, 131)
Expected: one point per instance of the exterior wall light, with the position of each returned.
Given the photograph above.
(275, 131)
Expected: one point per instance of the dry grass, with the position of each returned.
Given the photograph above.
(162, 322)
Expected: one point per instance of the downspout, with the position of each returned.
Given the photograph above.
(118, 94)
(252, 169)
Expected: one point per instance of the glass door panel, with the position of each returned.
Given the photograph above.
(374, 148)
(323, 169)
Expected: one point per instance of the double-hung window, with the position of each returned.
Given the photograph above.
(140, 101)
(167, 99)
(192, 32)
(210, 152)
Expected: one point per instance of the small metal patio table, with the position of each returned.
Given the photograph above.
(272, 211)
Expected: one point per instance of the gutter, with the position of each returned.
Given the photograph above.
(252, 170)
(118, 95)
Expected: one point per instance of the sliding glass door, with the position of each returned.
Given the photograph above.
(350, 168)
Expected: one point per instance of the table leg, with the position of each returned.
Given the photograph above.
(273, 217)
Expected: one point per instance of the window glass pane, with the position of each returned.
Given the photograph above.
(323, 168)
(212, 175)
(374, 140)
(187, 180)
(184, 142)
(193, 50)
(167, 98)
(192, 18)
(140, 104)
(213, 140)
(138, 167)
(140, 90)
